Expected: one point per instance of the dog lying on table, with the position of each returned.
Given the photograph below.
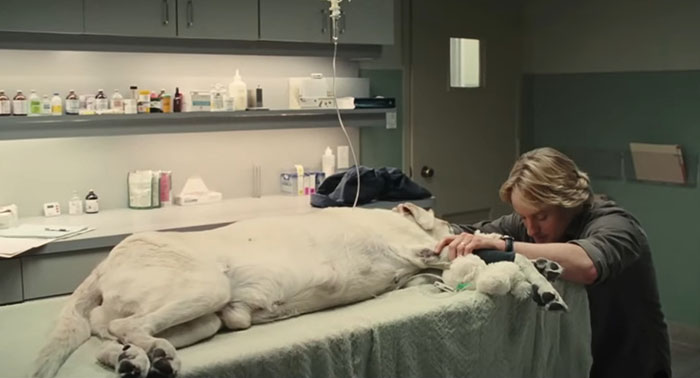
(158, 291)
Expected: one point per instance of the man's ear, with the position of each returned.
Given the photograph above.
(424, 218)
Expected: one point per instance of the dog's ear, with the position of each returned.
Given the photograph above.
(424, 218)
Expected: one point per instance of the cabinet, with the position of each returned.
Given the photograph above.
(367, 22)
(363, 22)
(294, 20)
(151, 18)
(42, 16)
(218, 19)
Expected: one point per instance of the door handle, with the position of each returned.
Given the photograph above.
(427, 172)
(190, 13)
(166, 12)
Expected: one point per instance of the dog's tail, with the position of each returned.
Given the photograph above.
(72, 328)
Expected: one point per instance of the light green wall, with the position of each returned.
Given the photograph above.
(383, 147)
(594, 116)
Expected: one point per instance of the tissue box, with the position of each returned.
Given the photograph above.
(197, 198)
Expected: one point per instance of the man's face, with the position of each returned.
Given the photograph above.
(544, 225)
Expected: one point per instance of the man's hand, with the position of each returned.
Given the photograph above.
(466, 243)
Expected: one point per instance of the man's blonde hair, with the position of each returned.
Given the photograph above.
(545, 176)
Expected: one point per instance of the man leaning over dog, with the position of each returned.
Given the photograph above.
(599, 244)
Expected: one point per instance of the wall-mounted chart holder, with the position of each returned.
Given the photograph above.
(661, 164)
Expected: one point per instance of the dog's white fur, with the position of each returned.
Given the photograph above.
(182, 286)
(159, 291)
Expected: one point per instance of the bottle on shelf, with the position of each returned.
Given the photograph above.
(34, 104)
(5, 104)
(117, 102)
(56, 105)
(134, 92)
(156, 102)
(177, 101)
(101, 102)
(72, 103)
(19, 104)
(45, 105)
(239, 92)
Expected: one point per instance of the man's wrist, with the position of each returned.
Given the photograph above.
(507, 243)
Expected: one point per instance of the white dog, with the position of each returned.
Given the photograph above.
(159, 291)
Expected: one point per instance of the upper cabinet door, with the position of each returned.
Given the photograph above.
(141, 18)
(218, 19)
(43, 16)
(294, 20)
(367, 22)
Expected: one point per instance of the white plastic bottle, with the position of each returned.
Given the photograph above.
(34, 104)
(328, 162)
(239, 92)
(117, 102)
(56, 105)
(75, 204)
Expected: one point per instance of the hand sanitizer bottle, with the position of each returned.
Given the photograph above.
(75, 204)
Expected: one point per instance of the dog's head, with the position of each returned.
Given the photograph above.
(426, 219)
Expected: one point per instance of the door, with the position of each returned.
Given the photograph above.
(465, 138)
(137, 18)
(367, 22)
(218, 19)
(48, 16)
(294, 20)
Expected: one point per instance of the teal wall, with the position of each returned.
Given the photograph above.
(593, 117)
(381, 147)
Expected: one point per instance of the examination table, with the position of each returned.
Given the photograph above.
(413, 332)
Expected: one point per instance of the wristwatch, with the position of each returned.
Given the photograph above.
(509, 242)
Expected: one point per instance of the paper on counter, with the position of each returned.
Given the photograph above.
(42, 231)
(10, 247)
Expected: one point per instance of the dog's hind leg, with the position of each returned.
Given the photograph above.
(128, 360)
(139, 329)
(192, 332)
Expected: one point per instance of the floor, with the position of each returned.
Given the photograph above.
(685, 352)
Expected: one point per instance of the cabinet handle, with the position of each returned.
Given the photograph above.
(166, 12)
(325, 16)
(342, 22)
(190, 14)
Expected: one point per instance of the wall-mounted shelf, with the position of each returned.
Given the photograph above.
(105, 125)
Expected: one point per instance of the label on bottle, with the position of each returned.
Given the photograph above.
(35, 107)
(56, 109)
(101, 105)
(72, 106)
(91, 206)
(5, 107)
(19, 107)
(75, 207)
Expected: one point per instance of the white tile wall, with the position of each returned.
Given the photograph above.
(36, 171)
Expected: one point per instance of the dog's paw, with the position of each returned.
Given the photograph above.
(549, 300)
(549, 269)
(132, 362)
(164, 360)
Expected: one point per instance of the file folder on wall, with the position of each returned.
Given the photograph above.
(658, 162)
